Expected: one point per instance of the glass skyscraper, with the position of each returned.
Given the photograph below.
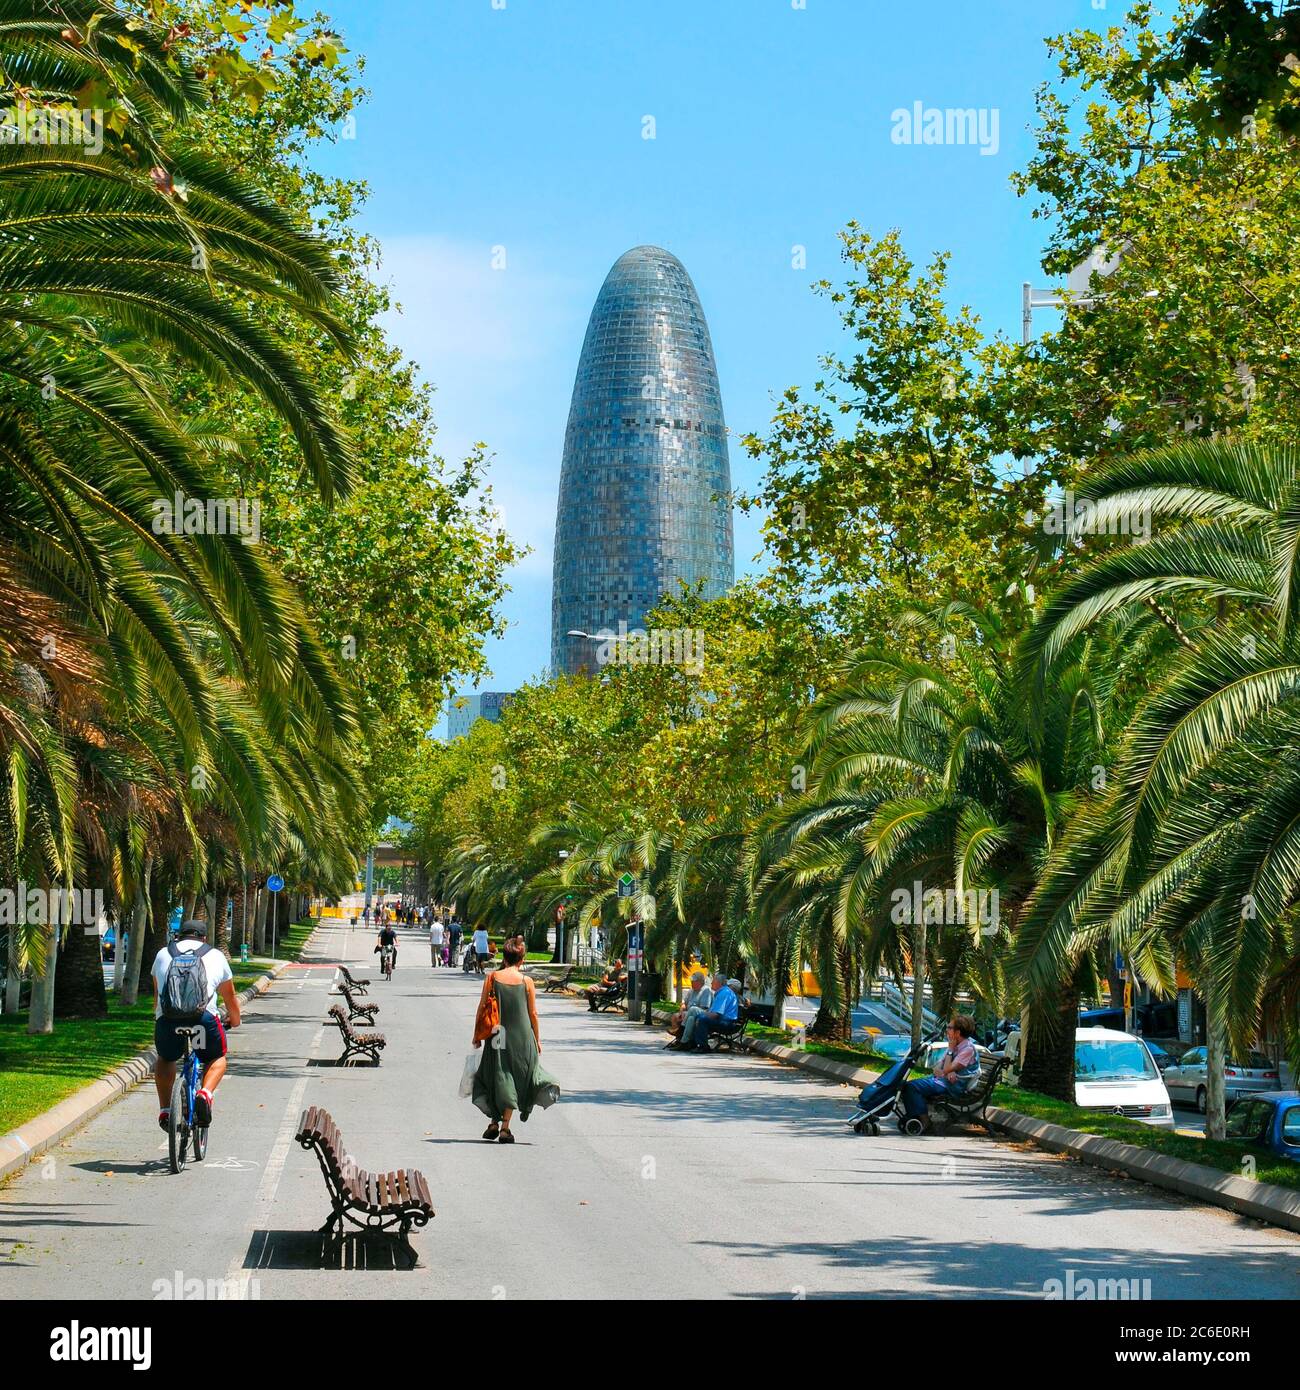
(644, 477)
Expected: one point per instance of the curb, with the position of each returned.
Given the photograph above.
(23, 1145)
(1262, 1201)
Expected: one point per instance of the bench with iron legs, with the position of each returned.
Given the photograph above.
(558, 980)
(365, 1012)
(972, 1104)
(607, 998)
(389, 1203)
(728, 1034)
(355, 985)
(355, 1044)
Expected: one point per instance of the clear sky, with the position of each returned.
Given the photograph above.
(519, 124)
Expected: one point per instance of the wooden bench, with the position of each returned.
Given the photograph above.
(558, 980)
(372, 1201)
(972, 1104)
(355, 1044)
(355, 985)
(365, 1012)
(608, 998)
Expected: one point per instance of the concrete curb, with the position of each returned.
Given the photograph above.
(1279, 1206)
(23, 1145)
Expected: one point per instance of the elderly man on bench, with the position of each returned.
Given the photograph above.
(615, 978)
(723, 1008)
(699, 996)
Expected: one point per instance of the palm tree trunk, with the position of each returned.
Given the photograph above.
(80, 989)
(13, 984)
(155, 931)
(1216, 1049)
(259, 921)
(40, 1018)
(130, 986)
(1047, 1052)
(918, 983)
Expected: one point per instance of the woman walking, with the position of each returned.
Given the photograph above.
(510, 1080)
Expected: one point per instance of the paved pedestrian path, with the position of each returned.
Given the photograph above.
(657, 1175)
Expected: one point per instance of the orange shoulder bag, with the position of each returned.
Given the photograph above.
(488, 1018)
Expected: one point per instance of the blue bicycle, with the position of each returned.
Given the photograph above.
(181, 1129)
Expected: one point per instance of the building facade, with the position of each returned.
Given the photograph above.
(483, 704)
(645, 474)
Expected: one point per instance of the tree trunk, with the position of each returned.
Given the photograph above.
(918, 983)
(1216, 1056)
(218, 930)
(259, 922)
(130, 987)
(40, 1018)
(13, 985)
(1047, 1053)
(80, 990)
(188, 903)
(155, 932)
(119, 951)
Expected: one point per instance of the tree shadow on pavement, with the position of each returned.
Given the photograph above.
(897, 1267)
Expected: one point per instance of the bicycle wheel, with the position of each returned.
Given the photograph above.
(177, 1130)
(200, 1142)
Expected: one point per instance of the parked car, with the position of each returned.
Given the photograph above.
(895, 1046)
(1268, 1121)
(1186, 1079)
(108, 943)
(1115, 1072)
(1163, 1058)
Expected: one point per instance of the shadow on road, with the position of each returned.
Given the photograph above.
(317, 1250)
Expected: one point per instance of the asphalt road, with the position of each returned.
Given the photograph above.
(656, 1175)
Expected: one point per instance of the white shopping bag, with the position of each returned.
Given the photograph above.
(471, 1071)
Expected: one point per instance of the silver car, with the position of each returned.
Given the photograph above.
(1186, 1079)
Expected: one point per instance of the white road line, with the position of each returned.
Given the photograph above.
(274, 1169)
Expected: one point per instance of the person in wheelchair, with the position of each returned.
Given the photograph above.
(956, 1071)
(615, 978)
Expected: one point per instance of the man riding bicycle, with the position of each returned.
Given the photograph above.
(388, 937)
(169, 1031)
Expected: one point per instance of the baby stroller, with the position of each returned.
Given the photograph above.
(885, 1096)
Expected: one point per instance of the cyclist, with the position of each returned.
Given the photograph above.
(388, 937)
(218, 981)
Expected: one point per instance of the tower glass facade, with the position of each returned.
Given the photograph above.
(644, 477)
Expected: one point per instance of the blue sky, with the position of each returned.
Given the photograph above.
(520, 126)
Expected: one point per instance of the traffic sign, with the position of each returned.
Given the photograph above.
(274, 884)
(626, 886)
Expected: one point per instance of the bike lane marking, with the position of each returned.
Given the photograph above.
(275, 1164)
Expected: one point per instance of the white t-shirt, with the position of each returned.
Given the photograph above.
(216, 970)
(481, 941)
(435, 933)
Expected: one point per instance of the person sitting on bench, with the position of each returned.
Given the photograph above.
(723, 1008)
(614, 979)
(957, 1070)
(699, 996)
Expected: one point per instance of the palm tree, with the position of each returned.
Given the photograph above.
(1195, 853)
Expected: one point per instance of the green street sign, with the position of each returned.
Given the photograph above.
(626, 886)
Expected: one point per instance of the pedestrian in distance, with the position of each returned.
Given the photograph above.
(435, 944)
(510, 1080)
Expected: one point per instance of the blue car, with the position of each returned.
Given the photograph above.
(1268, 1120)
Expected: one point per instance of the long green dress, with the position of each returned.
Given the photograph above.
(511, 1076)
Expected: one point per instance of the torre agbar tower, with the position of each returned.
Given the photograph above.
(644, 477)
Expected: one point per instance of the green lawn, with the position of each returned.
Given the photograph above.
(38, 1072)
(1226, 1157)
(1220, 1154)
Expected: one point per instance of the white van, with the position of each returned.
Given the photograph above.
(1114, 1071)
